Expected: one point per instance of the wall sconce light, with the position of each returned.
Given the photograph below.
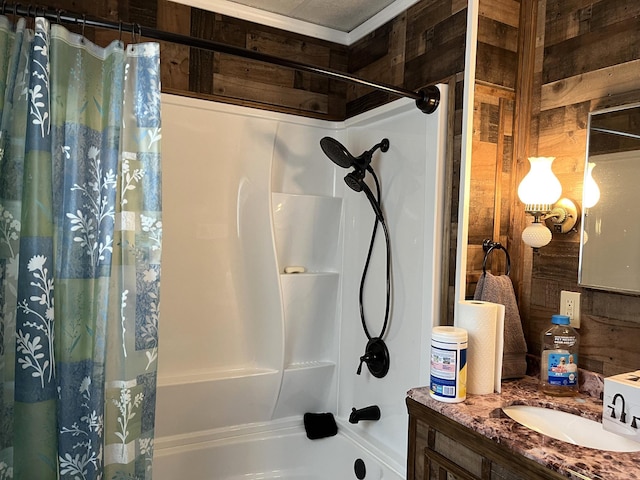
(540, 191)
(591, 194)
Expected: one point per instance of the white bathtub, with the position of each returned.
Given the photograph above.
(278, 450)
(246, 350)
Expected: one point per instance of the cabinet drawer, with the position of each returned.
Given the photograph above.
(446, 452)
(448, 459)
(498, 472)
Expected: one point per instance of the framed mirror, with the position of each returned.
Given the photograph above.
(610, 235)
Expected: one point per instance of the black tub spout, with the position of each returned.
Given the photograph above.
(367, 413)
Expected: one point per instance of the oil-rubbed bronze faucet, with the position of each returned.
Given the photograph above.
(623, 415)
(366, 413)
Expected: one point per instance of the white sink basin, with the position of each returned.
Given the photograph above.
(570, 428)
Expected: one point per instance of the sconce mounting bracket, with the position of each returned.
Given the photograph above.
(563, 216)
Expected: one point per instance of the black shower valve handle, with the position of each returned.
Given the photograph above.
(366, 358)
(376, 356)
(359, 371)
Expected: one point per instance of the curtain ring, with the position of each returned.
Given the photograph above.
(15, 9)
(31, 17)
(58, 17)
(136, 29)
(4, 6)
(84, 23)
(120, 30)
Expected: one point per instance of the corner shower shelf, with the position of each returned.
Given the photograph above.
(307, 275)
(306, 387)
(310, 366)
(306, 229)
(309, 302)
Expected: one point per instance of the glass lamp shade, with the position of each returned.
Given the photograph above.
(536, 235)
(540, 187)
(591, 193)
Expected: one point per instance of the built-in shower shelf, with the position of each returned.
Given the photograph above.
(306, 232)
(304, 195)
(306, 387)
(309, 302)
(306, 229)
(310, 366)
(307, 275)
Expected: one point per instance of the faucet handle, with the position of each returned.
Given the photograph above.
(623, 415)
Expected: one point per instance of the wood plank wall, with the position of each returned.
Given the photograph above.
(422, 46)
(225, 78)
(493, 135)
(588, 58)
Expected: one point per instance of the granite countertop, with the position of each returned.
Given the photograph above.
(482, 413)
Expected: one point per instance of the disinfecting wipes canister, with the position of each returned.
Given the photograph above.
(448, 381)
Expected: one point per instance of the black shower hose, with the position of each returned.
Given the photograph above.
(366, 265)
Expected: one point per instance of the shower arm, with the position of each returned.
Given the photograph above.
(363, 162)
(427, 99)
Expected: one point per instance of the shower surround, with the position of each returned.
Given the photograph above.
(246, 349)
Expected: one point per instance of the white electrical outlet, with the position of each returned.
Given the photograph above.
(570, 306)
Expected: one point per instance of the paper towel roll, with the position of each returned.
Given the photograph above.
(482, 322)
(497, 380)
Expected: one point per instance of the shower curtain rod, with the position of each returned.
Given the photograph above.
(427, 99)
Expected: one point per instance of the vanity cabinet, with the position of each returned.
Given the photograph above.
(442, 449)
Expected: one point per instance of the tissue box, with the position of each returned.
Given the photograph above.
(622, 395)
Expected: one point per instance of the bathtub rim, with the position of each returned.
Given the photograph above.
(175, 444)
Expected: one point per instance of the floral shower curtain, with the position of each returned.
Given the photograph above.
(80, 243)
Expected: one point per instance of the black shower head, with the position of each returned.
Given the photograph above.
(336, 152)
(354, 180)
(343, 158)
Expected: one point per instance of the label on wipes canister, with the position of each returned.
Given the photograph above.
(445, 371)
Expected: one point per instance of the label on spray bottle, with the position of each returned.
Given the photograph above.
(562, 369)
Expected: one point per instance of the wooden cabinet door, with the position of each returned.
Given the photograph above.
(448, 459)
(457, 462)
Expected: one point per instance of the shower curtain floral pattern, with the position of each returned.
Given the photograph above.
(80, 244)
